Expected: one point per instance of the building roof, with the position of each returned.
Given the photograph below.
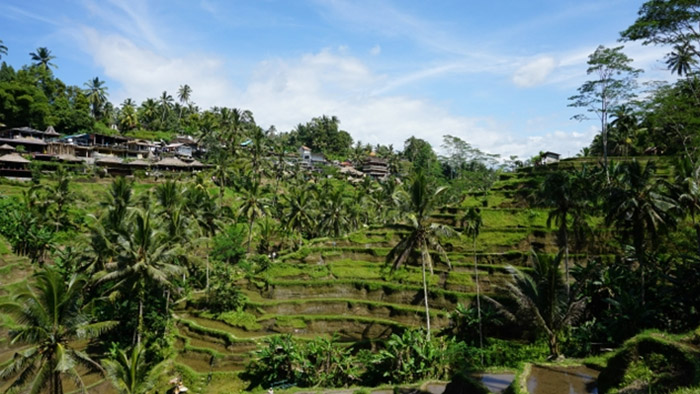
(109, 160)
(351, 171)
(139, 163)
(50, 131)
(7, 147)
(196, 164)
(13, 158)
(69, 158)
(23, 140)
(171, 162)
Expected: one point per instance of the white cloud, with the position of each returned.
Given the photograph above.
(376, 50)
(534, 72)
(143, 73)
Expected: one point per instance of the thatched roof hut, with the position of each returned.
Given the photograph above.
(172, 162)
(67, 158)
(106, 160)
(7, 148)
(13, 158)
(139, 163)
(51, 132)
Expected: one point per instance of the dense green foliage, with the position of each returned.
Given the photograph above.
(192, 267)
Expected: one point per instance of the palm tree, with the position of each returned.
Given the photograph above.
(637, 205)
(541, 299)
(144, 262)
(183, 94)
(299, 209)
(61, 195)
(423, 235)
(96, 94)
(132, 375)
(334, 218)
(128, 119)
(557, 191)
(147, 111)
(3, 49)
(252, 205)
(687, 188)
(166, 101)
(51, 317)
(471, 223)
(43, 58)
(682, 59)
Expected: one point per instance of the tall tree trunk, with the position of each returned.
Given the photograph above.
(478, 302)
(425, 295)
(565, 236)
(139, 325)
(639, 252)
(56, 385)
(250, 233)
(697, 235)
(206, 287)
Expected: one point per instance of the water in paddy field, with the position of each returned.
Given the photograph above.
(496, 382)
(561, 380)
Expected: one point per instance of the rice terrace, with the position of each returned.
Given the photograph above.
(153, 244)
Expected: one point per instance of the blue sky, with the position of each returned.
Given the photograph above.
(496, 74)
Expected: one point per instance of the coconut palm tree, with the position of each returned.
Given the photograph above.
(557, 191)
(51, 317)
(144, 261)
(96, 93)
(541, 299)
(253, 205)
(166, 102)
(132, 374)
(42, 58)
(128, 119)
(148, 112)
(637, 204)
(423, 235)
(334, 219)
(299, 210)
(682, 59)
(60, 194)
(687, 189)
(471, 224)
(3, 49)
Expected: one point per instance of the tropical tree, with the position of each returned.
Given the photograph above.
(687, 188)
(682, 59)
(637, 204)
(144, 262)
(51, 317)
(132, 374)
(541, 299)
(96, 93)
(166, 102)
(61, 195)
(566, 192)
(471, 224)
(42, 58)
(615, 82)
(299, 210)
(253, 205)
(333, 216)
(3, 49)
(668, 22)
(128, 118)
(422, 234)
(183, 94)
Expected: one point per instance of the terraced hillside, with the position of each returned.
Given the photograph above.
(343, 287)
